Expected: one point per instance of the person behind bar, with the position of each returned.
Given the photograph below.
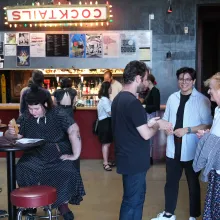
(104, 124)
(65, 97)
(38, 79)
(30, 81)
(116, 86)
(131, 134)
(189, 111)
(54, 163)
(208, 154)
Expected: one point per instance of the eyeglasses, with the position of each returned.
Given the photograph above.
(187, 80)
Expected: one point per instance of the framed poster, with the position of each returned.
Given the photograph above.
(23, 56)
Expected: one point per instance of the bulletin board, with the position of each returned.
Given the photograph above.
(76, 49)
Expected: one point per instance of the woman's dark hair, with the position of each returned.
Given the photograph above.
(104, 90)
(151, 78)
(133, 69)
(38, 95)
(38, 77)
(185, 70)
(65, 83)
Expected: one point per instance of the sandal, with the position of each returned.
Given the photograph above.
(112, 164)
(107, 167)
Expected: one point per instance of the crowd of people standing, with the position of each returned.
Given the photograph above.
(131, 123)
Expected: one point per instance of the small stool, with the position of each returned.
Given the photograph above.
(33, 197)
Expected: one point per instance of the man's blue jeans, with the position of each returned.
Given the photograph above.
(134, 196)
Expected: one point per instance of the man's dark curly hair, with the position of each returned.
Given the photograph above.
(133, 69)
(185, 70)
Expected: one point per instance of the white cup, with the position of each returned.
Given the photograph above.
(1, 134)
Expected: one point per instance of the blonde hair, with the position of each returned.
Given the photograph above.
(216, 77)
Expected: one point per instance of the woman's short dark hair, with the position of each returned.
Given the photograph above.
(133, 69)
(38, 77)
(104, 90)
(65, 83)
(151, 78)
(185, 70)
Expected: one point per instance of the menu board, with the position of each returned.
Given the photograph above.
(57, 45)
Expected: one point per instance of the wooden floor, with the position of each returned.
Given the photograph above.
(104, 193)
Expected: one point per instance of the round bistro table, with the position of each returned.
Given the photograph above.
(10, 149)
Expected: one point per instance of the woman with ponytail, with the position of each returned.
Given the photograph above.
(152, 103)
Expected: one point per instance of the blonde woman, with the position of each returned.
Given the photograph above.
(208, 154)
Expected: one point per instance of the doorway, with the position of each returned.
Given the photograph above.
(208, 44)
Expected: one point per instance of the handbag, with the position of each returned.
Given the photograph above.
(95, 127)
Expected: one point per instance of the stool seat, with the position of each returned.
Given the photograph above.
(33, 196)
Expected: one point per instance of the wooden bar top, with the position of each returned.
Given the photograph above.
(15, 106)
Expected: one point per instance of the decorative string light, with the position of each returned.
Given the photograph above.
(96, 3)
(80, 2)
(90, 3)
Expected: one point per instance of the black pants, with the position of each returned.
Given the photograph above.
(174, 169)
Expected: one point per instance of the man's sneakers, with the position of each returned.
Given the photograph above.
(192, 218)
(163, 216)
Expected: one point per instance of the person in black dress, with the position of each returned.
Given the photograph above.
(53, 164)
(152, 104)
(65, 97)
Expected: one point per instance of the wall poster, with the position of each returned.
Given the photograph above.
(93, 45)
(111, 45)
(37, 45)
(57, 45)
(10, 38)
(23, 56)
(23, 39)
(128, 43)
(10, 50)
(77, 46)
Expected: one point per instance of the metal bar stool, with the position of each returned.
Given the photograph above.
(34, 197)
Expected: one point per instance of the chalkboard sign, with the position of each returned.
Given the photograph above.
(57, 45)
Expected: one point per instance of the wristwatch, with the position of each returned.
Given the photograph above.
(189, 130)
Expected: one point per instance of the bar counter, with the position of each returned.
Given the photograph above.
(85, 116)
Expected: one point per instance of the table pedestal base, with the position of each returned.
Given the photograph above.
(11, 183)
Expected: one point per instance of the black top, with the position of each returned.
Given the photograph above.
(59, 93)
(132, 151)
(152, 100)
(180, 111)
(179, 124)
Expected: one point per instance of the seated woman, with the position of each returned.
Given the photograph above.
(65, 97)
(54, 163)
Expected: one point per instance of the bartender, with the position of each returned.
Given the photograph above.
(115, 85)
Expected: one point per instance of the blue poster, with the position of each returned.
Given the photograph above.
(23, 56)
(77, 46)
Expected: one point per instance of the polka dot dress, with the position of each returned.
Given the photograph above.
(212, 202)
(43, 164)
